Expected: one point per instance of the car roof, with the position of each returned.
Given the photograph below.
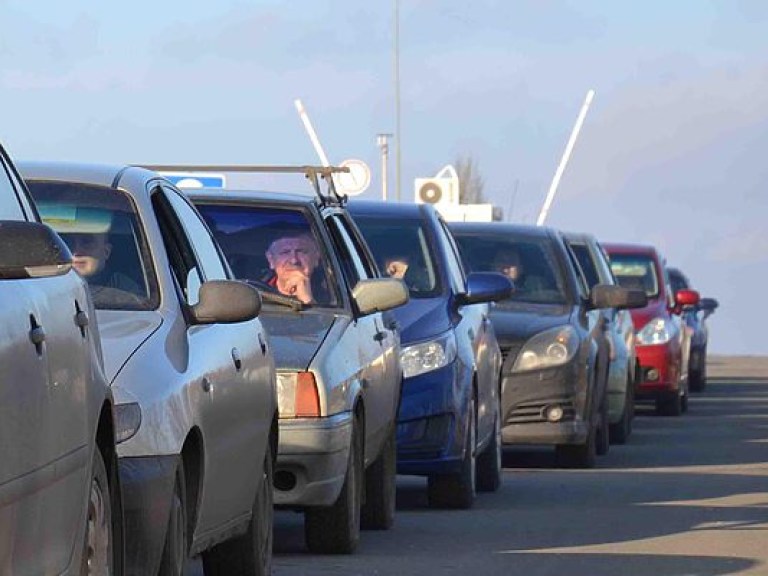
(107, 175)
(250, 196)
(528, 230)
(579, 237)
(370, 207)
(614, 248)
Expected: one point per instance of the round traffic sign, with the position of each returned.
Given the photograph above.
(356, 181)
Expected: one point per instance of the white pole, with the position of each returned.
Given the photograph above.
(311, 131)
(564, 159)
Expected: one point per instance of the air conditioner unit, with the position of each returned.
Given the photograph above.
(436, 191)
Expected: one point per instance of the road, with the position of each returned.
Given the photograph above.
(686, 496)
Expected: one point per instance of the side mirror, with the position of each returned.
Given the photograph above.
(486, 287)
(31, 250)
(684, 299)
(708, 306)
(226, 302)
(608, 296)
(379, 295)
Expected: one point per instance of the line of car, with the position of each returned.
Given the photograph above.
(176, 365)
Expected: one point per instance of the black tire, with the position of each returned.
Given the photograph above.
(98, 545)
(669, 404)
(378, 512)
(249, 554)
(489, 466)
(621, 430)
(603, 438)
(176, 539)
(336, 529)
(684, 401)
(578, 455)
(458, 490)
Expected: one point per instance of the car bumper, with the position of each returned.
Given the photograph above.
(147, 485)
(312, 460)
(431, 421)
(525, 398)
(659, 371)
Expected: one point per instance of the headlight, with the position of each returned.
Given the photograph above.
(427, 356)
(297, 395)
(547, 349)
(657, 331)
(127, 421)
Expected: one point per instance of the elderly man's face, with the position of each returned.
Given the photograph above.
(90, 252)
(293, 254)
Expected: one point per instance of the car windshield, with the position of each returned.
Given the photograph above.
(275, 248)
(529, 262)
(402, 250)
(636, 272)
(101, 228)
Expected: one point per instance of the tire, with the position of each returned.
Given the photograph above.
(603, 438)
(684, 400)
(578, 455)
(176, 539)
(489, 466)
(249, 554)
(378, 512)
(697, 376)
(621, 430)
(336, 529)
(98, 544)
(458, 490)
(669, 404)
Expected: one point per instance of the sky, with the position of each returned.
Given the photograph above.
(672, 151)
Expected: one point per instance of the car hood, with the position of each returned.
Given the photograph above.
(122, 333)
(655, 309)
(295, 338)
(421, 319)
(518, 321)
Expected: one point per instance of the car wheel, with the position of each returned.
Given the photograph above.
(603, 438)
(458, 490)
(489, 467)
(249, 554)
(697, 377)
(579, 455)
(669, 404)
(175, 548)
(336, 529)
(378, 512)
(684, 400)
(98, 547)
(621, 430)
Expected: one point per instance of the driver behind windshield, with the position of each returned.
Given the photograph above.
(293, 257)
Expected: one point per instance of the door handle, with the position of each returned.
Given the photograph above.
(206, 384)
(236, 359)
(263, 344)
(37, 335)
(380, 336)
(81, 319)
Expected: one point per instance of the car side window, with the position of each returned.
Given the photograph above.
(455, 267)
(351, 264)
(10, 207)
(205, 247)
(581, 280)
(361, 248)
(584, 256)
(183, 260)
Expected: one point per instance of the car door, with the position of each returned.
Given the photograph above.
(373, 343)
(226, 367)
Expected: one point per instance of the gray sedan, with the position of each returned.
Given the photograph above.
(188, 363)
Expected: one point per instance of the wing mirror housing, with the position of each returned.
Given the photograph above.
(225, 302)
(708, 306)
(31, 250)
(685, 299)
(486, 287)
(609, 296)
(379, 294)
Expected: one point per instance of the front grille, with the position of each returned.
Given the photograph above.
(532, 412)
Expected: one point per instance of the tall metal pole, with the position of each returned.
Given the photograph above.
(381, 140)
(398, 127)
(564, 159)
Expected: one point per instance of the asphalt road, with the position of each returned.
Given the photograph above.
(686, 496)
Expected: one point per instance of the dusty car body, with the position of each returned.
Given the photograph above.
(337, 357)
(60, 510)
(620, 335)
(662, 340)
(555, 356)
(188, 364)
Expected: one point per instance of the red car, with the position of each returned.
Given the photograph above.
(662, 339)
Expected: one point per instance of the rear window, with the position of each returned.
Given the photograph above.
(101, 228)
(402, 250)
(636, 272)
(530, 263)
(276, 248)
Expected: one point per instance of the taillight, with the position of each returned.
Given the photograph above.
(297, 395)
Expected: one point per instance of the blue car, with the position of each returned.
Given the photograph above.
(449, 417)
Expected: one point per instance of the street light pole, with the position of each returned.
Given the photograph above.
(398, 128)
(381, 140)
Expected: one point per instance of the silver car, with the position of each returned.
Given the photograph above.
(188, 362)
(60, 510)
(619, 333)
(339, 376)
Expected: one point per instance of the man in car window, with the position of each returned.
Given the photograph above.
(508, 262)
(293, 257)
(90, 255)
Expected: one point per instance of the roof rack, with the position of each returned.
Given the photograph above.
(312, 173)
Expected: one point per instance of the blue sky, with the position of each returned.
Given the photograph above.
(671, 153)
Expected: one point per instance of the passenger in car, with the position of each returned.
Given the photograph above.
(397, 265)
(293, 257)
(508, 262)
(91, 257)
